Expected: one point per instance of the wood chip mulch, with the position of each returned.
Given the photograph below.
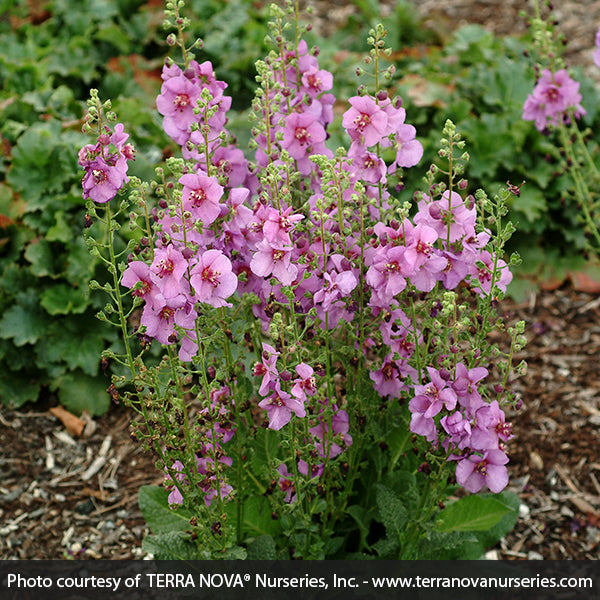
(63, 496)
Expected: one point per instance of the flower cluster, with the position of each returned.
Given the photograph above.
(471, 430)
(327, 263)
(554, 99)
(105, 164)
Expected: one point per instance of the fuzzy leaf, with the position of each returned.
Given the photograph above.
(172, 545)
(392, 511)
(154, 504)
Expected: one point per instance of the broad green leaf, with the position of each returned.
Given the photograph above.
(17, 388)
(258, 516)
(42, 258)
(154, 504)
(60, 231)
(78, 391)
(24, 322)
(472, 513)
(62, 299)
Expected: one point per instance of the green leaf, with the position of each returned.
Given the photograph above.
(60, 231)
(17, 388)
(258, 516)
(262, 548)
(472, 513)
(62, 299)
(23, 322)
(75, 341)
(392, 511)
(154, 504)
(42, 258)
(78, 391)
(172, 545)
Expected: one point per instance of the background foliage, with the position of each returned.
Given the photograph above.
(52, 54)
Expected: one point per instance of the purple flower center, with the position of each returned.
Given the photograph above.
(552, 94)
(165, 266)
(423, 248)
(143, 290)
(362, 121)
(481, 467)
(211, 276)
(197, 197)
(166, 313)
(302, 135)
(181, 102)
(99, 176)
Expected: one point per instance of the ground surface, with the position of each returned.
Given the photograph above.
(62, 495)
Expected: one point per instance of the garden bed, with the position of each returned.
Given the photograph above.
(63, 496)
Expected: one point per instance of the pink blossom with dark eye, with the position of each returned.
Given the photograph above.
(279, 406)
(159, 318)
(432, 397)
(200, 196)
(102, 181)
(279, 225)
(367, 165)
(141, 280)
(553, 96)
(387, 380)
(176, 102)
(491, 427)
(305, 384)
(315, 80)
(286, 484)
(476, 471)
(169, 265)
(365, 121)
(213, 279)
(267, 369)
(274, 259)
(302, 130)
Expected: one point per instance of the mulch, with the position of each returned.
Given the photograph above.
(64, 496)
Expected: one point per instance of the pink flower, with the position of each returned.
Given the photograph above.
(302, 130)
(597, 50)
(169, 266)
(177, 100)
(409, 150)
(200, 196)
(212, 278)
(476, 471)
(279, 406)
(141, 280)
(305, 383)
(552, 97)
(101, 181)
(274, 259)
(365, 122)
